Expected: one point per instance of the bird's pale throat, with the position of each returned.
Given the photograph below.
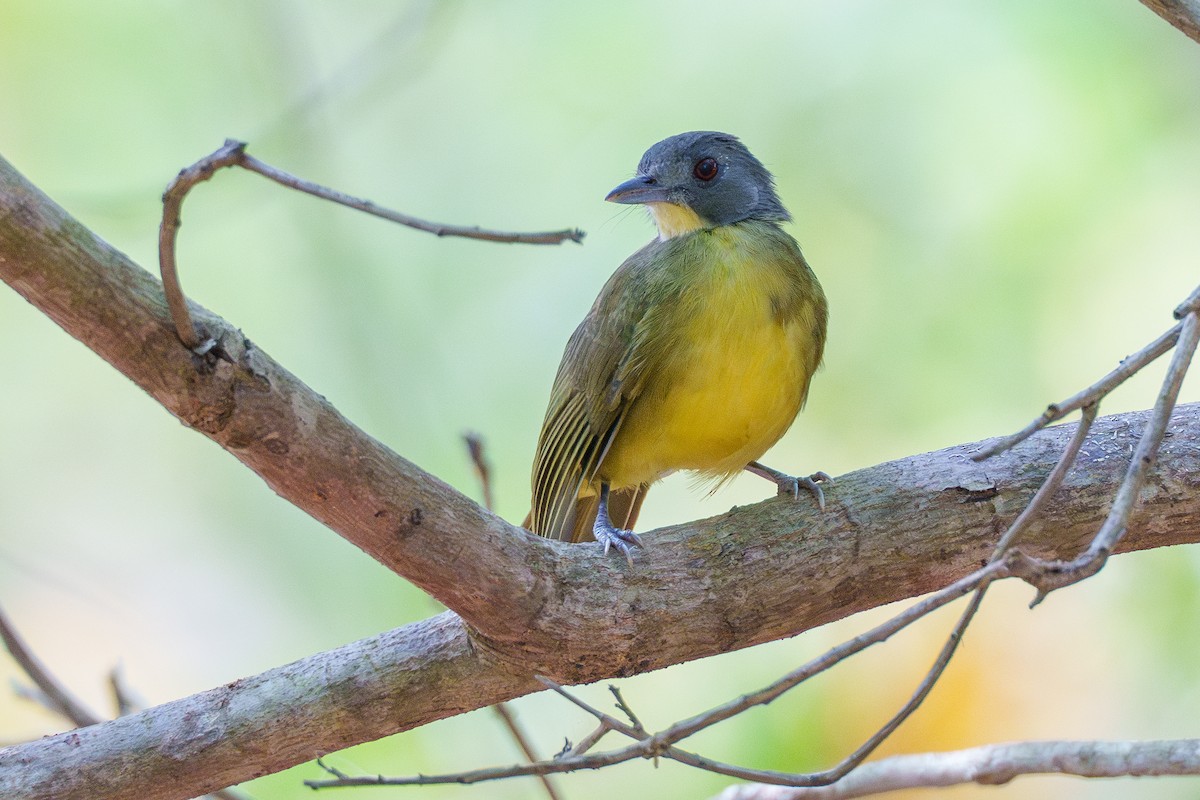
(675, 220)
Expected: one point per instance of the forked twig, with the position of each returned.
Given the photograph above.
(233, 154)
(1044, 575)
(1064, 573)
(625, 709)
(632, 729)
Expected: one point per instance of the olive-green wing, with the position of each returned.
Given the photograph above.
(597, 380)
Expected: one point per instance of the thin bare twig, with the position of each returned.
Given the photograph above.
(233, 154)
(1128, 367)
(1092, 395)
(522, 740)
(1050, 485)
(1019, 525)
(1192, 304)
(122, 698)
(625, 709)
(483, 470)
(1147, 450)
(1109, 533)
(57, 698)
(607, 722)
(587, 742)
(934, 674)
(994, 764)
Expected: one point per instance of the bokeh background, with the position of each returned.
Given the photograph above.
(1001, 199)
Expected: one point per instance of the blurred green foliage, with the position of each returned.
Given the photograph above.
(1001, 199)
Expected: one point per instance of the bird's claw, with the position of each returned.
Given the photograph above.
(622, 540)
(791, 484)
(813, 484)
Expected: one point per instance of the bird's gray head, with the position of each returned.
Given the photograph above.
(701, 179)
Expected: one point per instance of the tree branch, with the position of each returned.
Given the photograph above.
(527, 604)
(360, 692)
(61, 701)
(1183, 14)
(994, 764)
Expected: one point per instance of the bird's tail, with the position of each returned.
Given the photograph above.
(623, 507)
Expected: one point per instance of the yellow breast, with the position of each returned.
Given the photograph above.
(734, 371)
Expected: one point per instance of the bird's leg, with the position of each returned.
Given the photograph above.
(608, 534)
(790, 484)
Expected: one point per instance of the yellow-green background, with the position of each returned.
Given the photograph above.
(1001, 198)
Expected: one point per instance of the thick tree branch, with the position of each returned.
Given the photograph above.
(529, 604)
(62, 702)
(258, 411)
(360, 692)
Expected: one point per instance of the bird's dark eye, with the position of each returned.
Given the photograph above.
(705, 169)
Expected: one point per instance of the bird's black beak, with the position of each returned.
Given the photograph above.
(642, 189)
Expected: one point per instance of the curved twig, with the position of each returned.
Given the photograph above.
(233, 154)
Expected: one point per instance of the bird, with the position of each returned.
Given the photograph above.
(696, 356)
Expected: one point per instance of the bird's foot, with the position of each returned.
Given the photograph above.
(611, 536)
(790, 484)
